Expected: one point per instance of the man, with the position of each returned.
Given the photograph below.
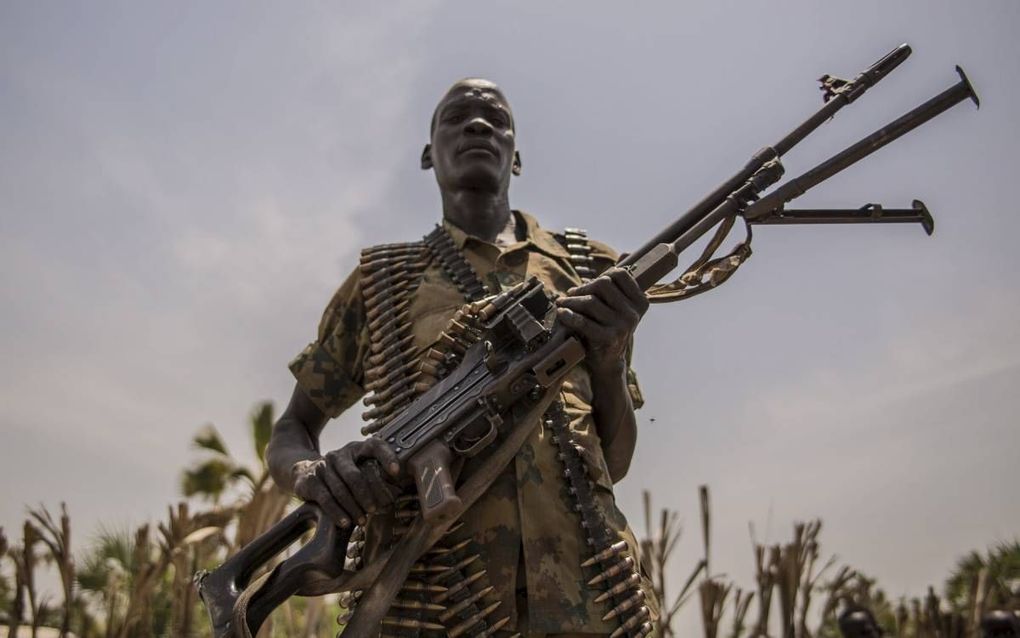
(527, 545)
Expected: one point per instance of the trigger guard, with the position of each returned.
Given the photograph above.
(476, 446)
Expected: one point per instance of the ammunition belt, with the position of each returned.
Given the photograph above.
(575, 240)
(455, 265)
(615, 573)
(389, 275)
(448, 592)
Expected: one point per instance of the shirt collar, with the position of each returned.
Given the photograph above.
(533, 234)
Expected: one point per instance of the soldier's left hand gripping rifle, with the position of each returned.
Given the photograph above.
(499, 364)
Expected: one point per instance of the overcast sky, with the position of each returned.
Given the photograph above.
(183, 185)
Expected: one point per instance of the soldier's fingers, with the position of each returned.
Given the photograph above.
(587, 328)
(589, 306)
(376, 483)
(355, 479)
(581, 289)
(605, 289)
(376, 448)
(356, 489)
(629, 286)
(625, 315)
(316, 491)
(341, 494)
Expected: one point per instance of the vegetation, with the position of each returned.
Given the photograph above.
(128, 583)
(810, 592)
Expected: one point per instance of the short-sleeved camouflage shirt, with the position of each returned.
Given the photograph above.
(527, 509)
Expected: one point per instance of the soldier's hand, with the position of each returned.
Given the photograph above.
(605, 312)
(344, 485)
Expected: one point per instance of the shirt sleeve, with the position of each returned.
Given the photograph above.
(330, 369)
(604, 257)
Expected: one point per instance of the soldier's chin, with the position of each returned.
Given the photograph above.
(480, 178)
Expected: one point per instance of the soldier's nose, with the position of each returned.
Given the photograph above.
(478, 126)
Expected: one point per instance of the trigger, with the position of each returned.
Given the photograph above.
(474, 446)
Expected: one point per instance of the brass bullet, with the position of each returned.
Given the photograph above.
(637, 597)
(496, 626)
(632, 622)
(464, 604)
(612, 550)
(410, 623)
(407, 603)
(421, 586)
(473, 620)
(460, 585)
(626, 563)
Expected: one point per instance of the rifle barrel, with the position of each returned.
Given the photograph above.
(853, 90)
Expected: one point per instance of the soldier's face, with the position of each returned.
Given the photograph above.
(473, 139)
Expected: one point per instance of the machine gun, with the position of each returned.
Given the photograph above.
(501, 363)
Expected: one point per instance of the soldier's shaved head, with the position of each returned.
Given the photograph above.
(478, 87)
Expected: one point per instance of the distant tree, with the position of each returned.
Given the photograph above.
(56, 537)
(1001, 563)
(104, 575)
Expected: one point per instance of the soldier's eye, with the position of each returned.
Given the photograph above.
(453, 117)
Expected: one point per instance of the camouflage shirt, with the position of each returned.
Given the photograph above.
(527, 509)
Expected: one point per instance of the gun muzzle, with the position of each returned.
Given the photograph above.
(874, 73)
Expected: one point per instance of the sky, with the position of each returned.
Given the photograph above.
(183, 185)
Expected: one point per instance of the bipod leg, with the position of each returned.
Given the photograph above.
(867, 214)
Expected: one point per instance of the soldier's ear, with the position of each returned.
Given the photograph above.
(516, 167)
(426, 157)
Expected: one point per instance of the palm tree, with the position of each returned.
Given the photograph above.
(104, 575)
(24, 559)
(983, 582)
(210, 478)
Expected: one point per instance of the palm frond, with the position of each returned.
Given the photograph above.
(262, 428)
(208, 438)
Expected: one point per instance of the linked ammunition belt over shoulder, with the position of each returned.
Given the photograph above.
(389, 275)
(575, 240)
(456, 267)
(448, 591)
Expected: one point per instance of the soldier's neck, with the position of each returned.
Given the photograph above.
(477, 213)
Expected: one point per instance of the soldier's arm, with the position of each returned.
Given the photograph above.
(328, 382)
(295, 438)
(613, 412)
(338, 480)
